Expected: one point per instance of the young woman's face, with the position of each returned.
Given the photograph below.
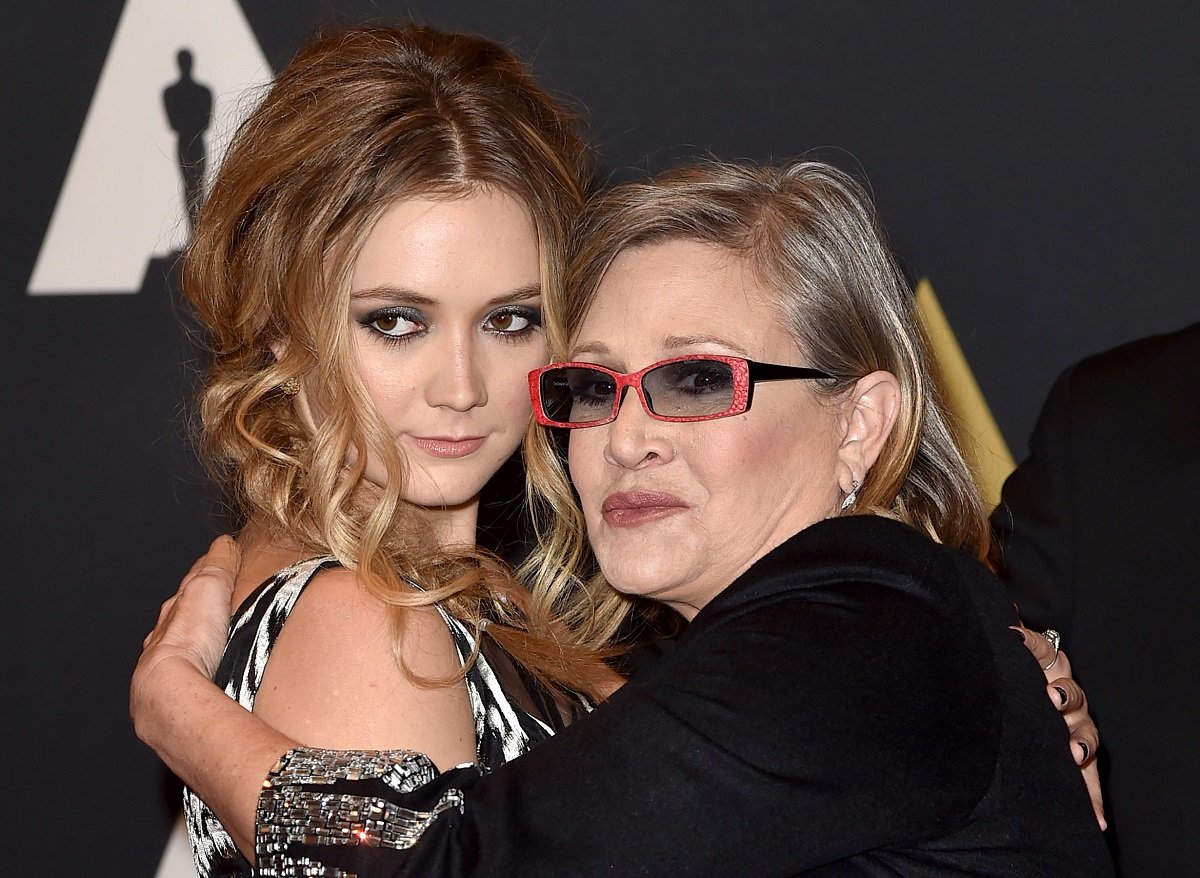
(676, 511)
(445, 322)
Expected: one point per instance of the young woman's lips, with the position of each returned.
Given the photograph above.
(436, 446)
(631, 508)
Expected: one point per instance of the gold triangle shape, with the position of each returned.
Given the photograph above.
(986, 450)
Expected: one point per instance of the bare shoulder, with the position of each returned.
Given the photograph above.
(335, 677)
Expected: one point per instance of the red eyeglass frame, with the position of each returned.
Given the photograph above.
(745, 374)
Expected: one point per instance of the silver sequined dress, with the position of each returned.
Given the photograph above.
(504, 729)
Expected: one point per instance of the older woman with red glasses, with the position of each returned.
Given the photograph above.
(756, 440)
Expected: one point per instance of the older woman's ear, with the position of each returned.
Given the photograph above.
(870, 411)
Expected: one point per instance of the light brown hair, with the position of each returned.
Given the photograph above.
(812, 235)
(357, 120)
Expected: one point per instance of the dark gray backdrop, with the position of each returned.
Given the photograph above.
(1036, 160)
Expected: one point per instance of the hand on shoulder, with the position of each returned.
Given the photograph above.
(188, 639)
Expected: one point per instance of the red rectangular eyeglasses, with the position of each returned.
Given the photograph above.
(687, 388)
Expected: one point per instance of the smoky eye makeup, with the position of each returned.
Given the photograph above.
(513, 322)
(395, 324)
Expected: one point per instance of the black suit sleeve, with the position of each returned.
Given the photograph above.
(1035, 520)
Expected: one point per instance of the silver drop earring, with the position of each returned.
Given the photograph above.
(852, 497)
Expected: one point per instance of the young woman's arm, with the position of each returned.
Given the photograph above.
(332, 681)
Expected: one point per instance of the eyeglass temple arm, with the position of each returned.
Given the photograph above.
(776, 372)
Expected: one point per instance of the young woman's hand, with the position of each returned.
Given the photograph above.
(1070, 701)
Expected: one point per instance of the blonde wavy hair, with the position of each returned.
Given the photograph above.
(357, 120)
(812, 235)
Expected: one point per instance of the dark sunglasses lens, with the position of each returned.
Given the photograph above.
(690, 388)
(577, 396)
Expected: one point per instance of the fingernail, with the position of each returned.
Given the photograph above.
(1062, 694)
(1087, 751)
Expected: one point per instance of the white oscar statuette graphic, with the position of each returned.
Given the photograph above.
(177, 858)
(125, 198)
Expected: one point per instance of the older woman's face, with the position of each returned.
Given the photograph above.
(676, 511)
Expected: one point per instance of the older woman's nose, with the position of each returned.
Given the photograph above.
(635, 439)
(458, 383)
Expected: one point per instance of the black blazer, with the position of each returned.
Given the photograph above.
(853, 705)
(1100, 530)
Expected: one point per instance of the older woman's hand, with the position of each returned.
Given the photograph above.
(180, 714)
(192, 626)
(1071, 701)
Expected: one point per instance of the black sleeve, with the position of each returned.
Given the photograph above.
(789, 734)
(1034, 522)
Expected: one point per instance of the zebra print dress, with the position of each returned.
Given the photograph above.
(503, 728)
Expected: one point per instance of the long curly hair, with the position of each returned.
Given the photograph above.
(812, 235)
(357, 120)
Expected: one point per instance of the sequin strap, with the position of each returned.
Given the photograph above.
(290, 812)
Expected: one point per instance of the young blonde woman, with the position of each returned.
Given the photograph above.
(370, 268)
